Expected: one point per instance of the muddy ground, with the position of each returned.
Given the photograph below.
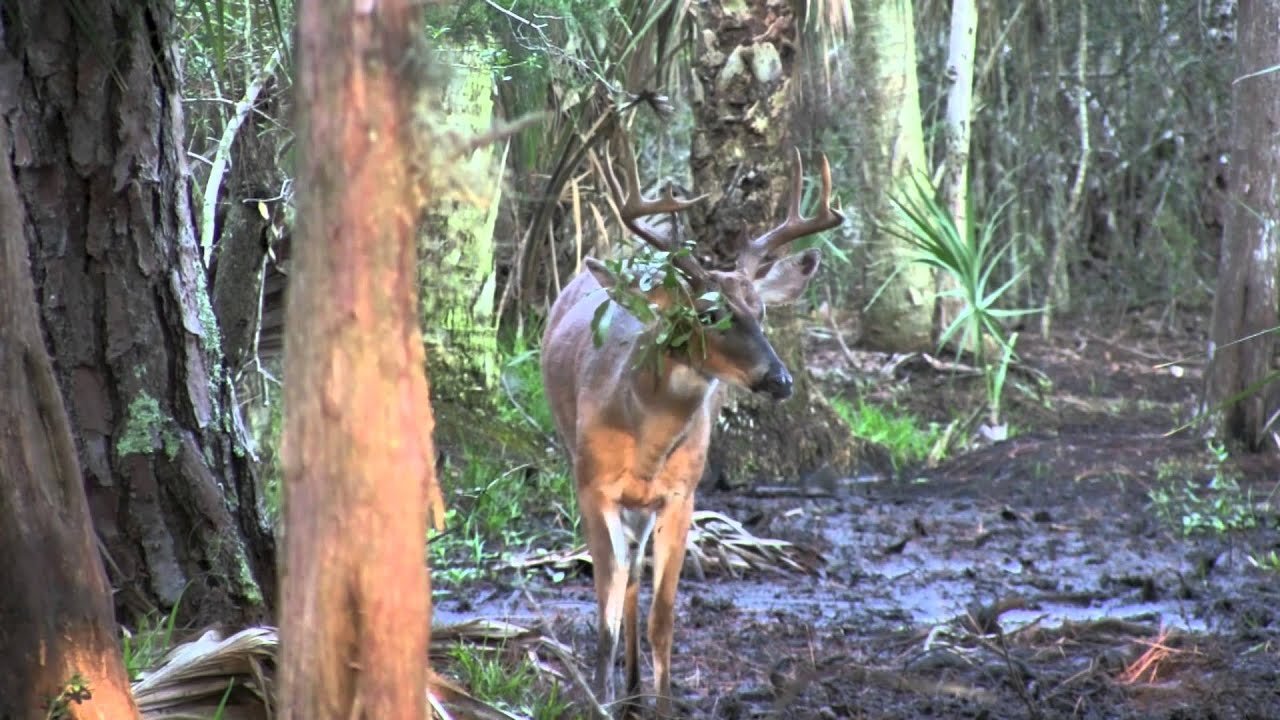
(1029, 578)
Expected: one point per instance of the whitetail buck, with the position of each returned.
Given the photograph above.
(637, 431)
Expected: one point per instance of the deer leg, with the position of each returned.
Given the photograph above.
(669, 538)
(607, 543)
(641, 524)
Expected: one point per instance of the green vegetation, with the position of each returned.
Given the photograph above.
(74, 690)
(525, 398)
(512, 686)
(1269, 561)
(144, 647)
(970, 259)
(1216, 506)
(678, 328)
(496, 512)
(907, 439)
(499, 508)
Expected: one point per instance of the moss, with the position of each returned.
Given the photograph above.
(212, 338)
(457, 248)
(219, 547)
(146, 429)
(248, 586)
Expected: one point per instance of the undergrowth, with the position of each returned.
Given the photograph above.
(907, 439)
(500, 507)
(515, 685)
(144, 646)
(1193, 504)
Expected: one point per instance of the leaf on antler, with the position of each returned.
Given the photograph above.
(600, 322)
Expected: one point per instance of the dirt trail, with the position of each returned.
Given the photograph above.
(1033, 578)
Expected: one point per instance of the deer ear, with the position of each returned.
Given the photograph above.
(788, 277)
(601, 272)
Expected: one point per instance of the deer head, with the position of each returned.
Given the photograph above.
(728, 342)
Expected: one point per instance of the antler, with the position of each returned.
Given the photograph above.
(795, 226)
(634, 206)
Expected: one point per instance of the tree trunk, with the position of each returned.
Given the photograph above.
(249, 223)
(358, 457)
(900, 318)
(741, 157)
(100, 165)
(1057, 277)
(955, 189)
(457, 243)
(1245, 302)
(56, 623)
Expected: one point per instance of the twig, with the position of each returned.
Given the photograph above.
(571, 667)
(835, 330)
(223, 154)
(1016, 675)
(1149, 660)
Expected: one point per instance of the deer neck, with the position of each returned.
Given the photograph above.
(667, 405)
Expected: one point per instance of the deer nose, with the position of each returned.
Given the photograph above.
(777, 383)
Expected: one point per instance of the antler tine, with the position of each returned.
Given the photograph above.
(632, 205)
(795, 226)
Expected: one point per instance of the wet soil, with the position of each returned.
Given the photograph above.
(1029, 578)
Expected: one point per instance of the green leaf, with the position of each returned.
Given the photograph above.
(600, 322)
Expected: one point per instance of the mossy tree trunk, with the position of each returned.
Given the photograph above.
(358, 456)
(742, 158)
(901, 316)
(56, 624)
(98, 155)
(457, 243)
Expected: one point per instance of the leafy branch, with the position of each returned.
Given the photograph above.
(677, 327)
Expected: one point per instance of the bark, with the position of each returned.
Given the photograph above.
(249, 220)
(959, 75)
(55, 614)
(1057, 278)
(98, 156)
(358, 458)
(1246, 298)
(900, 318)
(457, 243)
(742, 157)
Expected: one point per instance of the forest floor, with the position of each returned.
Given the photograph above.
(1091, 566)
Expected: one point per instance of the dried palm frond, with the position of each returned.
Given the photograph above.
(716, 542)
(719, 541)
(195, 678)
(233, 678)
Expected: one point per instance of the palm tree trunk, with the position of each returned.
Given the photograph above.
(741, 157)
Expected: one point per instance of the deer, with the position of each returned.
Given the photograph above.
(637, 432)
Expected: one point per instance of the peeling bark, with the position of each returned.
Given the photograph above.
(358, 455)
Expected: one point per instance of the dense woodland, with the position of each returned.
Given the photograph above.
(979, 300)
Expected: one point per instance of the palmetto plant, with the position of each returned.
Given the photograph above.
(970, 258)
